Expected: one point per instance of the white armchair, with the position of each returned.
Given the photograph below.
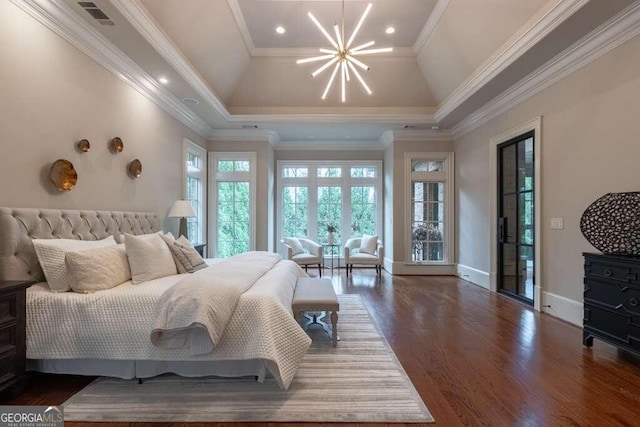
(353, 256)
(313, 254)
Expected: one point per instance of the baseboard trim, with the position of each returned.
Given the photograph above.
(405, 269)
(473, 275)
(564, 308)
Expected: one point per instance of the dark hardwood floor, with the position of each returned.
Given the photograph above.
(476, 358)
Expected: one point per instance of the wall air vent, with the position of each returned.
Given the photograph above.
(97, 14)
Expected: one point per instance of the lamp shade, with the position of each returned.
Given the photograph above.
(181, 209)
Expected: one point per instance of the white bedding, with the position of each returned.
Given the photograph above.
(116, 324)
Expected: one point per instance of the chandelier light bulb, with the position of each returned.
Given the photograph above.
(343, 56)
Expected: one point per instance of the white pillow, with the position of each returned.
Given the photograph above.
(295, 245)
(369, 244)
(98, 269)
(149, 257)
(51, 254)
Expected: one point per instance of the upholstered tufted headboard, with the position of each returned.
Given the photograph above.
(18, 259)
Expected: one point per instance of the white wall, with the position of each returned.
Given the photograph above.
(589, 148)
(53, 96)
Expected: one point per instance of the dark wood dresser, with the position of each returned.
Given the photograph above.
(13, 352)
(612, 300)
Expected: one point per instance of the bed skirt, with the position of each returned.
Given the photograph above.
(128, 369)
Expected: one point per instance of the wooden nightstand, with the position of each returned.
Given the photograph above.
(13, 351)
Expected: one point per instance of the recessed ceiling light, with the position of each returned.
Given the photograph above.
(435, 127)
(280, 30)
(163, 80)
(390, 30)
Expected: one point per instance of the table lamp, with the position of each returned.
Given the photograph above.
(182, 209)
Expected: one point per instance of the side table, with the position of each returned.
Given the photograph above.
(335, 250)
(13, 349)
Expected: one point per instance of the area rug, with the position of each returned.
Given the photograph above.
(359, 381)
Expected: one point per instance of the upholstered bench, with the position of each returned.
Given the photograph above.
(313, 294)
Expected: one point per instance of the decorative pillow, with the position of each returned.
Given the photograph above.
(295, 245)
(169, 240)
(149, 257)
(51, 254)
(188, 257)
(369, 244)
(98, 269)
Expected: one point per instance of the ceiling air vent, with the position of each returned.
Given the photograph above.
(249, 126)
(410, 127)
(95, 12)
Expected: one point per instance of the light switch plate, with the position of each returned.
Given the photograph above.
(557, 223)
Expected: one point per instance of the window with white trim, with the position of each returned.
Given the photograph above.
(233, 203)
(313, 195)
(430, 210)
(195, 189)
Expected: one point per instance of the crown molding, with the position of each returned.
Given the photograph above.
(429, 26)
(511, 51)
(140, 18)
(334, 118)
(421, 135)
(62, 20)
(270, 136)
(242, 25)
(414, 135)
(342, 145)
(613, 33)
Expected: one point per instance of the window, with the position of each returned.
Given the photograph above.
(233, 203)
(430, 225)
(195, 172)
(313, 195)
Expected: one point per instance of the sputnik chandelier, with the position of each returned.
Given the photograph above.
(342, 57)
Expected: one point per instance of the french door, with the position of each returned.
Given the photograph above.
(516, 220)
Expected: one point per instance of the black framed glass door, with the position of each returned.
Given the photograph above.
(516, 220)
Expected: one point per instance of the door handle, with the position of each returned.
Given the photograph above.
(502, 224)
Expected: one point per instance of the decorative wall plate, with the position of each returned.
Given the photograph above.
(63, 175)
(135, 168)
(116, 145)
(84, 145)
(612, 223)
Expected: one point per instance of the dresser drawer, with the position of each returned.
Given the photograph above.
(8, 339)
(8, 368)
(614, 327)
(8, 308)
(605, 269)
(613, 296)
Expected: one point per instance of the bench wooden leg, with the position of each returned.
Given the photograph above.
(334, 328)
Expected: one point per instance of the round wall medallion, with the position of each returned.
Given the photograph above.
(612, 223)
(84, 145)
(63, 175)
(116, 145)
(135, 168)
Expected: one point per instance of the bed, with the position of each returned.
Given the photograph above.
(108, 332)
